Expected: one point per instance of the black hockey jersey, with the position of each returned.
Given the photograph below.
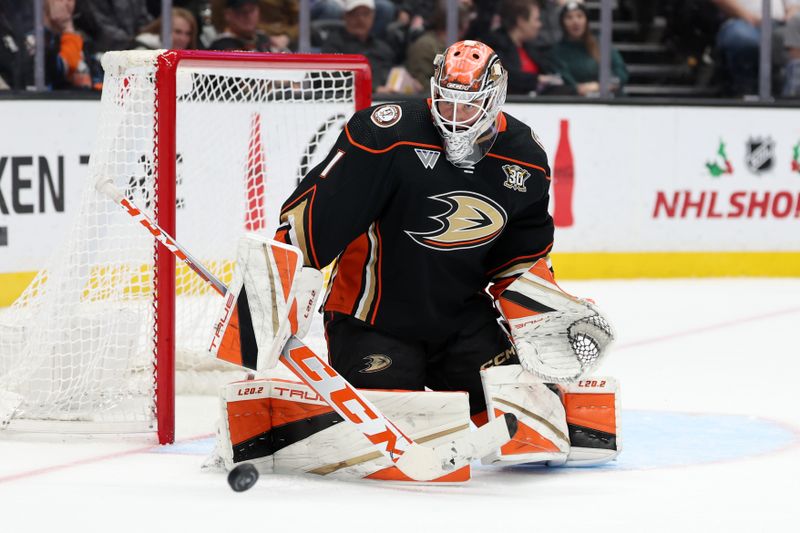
(417, 238)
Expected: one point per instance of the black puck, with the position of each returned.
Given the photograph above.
(243, 477)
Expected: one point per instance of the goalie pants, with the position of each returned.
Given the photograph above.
(373, 359)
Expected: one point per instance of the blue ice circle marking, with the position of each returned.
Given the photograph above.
(653, 439)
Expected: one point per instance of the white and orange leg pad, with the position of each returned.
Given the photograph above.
(282, 426)
(591, 406)
(575, 427)
(270, 297)
(542, 435)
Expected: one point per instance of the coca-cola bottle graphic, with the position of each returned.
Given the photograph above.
(563, 179)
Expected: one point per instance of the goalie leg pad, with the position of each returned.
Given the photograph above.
(543, 434)
(255, 319)
(282, 426)
(592, 418)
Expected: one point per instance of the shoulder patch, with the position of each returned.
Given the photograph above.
(516, 176)
(387, 115)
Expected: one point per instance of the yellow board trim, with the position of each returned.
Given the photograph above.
(675, 265)
(590, 266)
(12, 285)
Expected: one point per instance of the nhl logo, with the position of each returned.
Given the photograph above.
(760, 154)
(516, 177)
(386, 115)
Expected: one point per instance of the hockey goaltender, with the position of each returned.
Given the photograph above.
(435, 216)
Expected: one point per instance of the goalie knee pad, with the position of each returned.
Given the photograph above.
(283, 426)
(542, 434)
(573, 424)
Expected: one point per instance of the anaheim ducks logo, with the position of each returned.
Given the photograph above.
(376, 363)
(472, 220)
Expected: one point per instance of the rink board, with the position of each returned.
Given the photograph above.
(656, 191)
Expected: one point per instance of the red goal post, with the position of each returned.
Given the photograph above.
(207, 143)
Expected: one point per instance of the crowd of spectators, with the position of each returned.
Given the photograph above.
(548, 46)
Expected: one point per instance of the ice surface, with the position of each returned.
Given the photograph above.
(708, 371)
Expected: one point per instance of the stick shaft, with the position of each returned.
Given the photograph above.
(345, 399)
(172, 245)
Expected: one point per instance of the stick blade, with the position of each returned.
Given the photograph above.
(422, 463)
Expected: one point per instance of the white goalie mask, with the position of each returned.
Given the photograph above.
(468, 88)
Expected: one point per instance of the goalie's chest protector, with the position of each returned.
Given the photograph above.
(442, 229)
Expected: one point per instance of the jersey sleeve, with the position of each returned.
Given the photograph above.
(340, 197)
(528, 236)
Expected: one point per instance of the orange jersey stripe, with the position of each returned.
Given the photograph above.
(521, 258)
(282, 236)
(378, 274)
(349, 272)
(502, 122)
(308, 196)
(391, 147)
(517, 161)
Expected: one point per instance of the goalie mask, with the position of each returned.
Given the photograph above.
(468, 88)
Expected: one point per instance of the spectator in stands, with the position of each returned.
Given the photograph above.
(739, 39)
(578, 53)
(12, 38)
(413, 18)
(530, 70)
(550, 33)
(356, 38)
(239, 31)
(184, 32)
(66, 64)
(791, 85)
(113, 24)
(385, 13)
(484, 20)
(280, 20)
(422, 51)
(417, 15)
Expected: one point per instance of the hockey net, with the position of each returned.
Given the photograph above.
(209, 145)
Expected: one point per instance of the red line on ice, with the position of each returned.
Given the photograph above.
(710, 327)
(89, 460)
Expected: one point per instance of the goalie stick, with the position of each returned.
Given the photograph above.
(420, 463)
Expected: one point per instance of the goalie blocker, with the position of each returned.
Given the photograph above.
(270, 298)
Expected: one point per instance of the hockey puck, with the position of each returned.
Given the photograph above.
(511, 424)
(243, 477)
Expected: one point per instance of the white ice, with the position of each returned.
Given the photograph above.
(708, 369)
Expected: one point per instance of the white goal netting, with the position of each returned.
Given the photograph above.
(80, 343)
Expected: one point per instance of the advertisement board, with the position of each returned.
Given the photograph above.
(636, 190)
